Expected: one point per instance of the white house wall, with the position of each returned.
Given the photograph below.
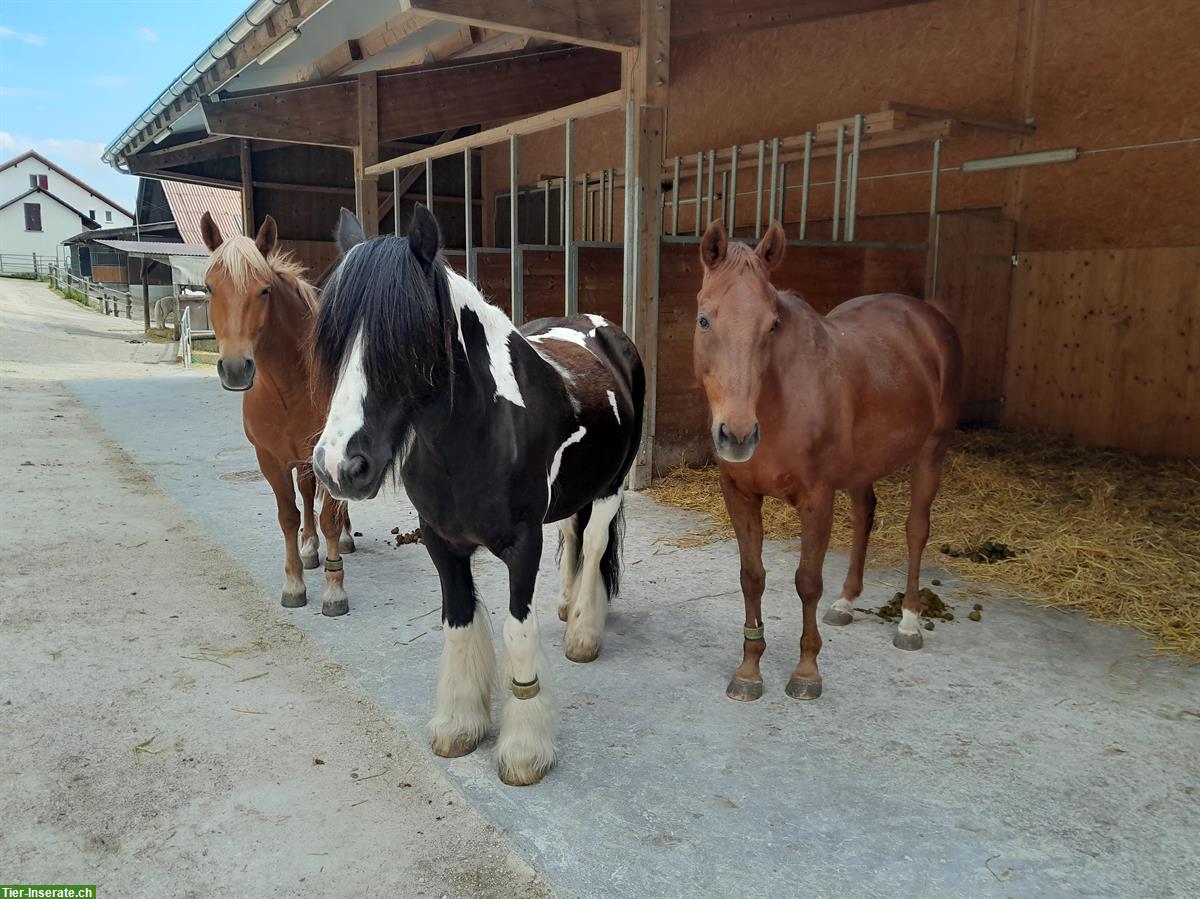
(58, 223)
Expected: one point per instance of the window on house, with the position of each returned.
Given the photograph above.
(33, 216)
(42, 181)
(92, 214)
(108, 215)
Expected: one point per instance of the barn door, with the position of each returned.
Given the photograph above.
(969, 275)
(85, 262)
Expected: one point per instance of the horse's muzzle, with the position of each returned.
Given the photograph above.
(730, 447)
(355, 478)
(236, 374)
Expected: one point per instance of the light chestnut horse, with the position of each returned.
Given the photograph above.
(263, 313)
(804, 405)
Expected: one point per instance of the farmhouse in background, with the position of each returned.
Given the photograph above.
(41, 205)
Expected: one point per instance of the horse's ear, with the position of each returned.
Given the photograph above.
(348, 233)
(714, 244)
(209, 232)
(771, 247)
(423, 235)
(268, 236)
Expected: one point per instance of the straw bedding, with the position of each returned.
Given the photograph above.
(1101, 532)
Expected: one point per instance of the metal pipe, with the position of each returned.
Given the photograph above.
(781, 212)
(934, 177)
(805, 179)
(708, 202)
(514, 257)
(586, 200)
(612, 186)
(396, 200)
(562, 212)
(428, 184)
(852, 189)
(629, 318)
(774, 178)
(675, 199)
(546, 215)
(734, 153)
(571, 300)
(699, 178)
(758, 195)
(468, 213)
(724, 195)
(837, 178)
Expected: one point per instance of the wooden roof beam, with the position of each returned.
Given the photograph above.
(607, 24)
(705, 18)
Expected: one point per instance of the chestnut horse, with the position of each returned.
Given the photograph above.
(263, 314)
(804, 405)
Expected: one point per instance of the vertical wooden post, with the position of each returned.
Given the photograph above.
(248, 225)
(146, 263)
(646, 75)
(366, 188)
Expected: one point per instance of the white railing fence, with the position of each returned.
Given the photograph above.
(104, 299)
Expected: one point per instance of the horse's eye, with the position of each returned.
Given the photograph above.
(265, 291)
(775, 325)
(703, 322)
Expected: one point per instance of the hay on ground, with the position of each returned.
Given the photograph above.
(1100, 532)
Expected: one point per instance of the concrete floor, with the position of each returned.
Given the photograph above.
(1032, 754)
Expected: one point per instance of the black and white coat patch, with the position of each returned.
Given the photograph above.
(494, 431)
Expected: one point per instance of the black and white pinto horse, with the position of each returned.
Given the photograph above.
(494, 431)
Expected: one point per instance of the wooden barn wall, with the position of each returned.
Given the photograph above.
(600, 274)
(826, 277)
(1104, 345)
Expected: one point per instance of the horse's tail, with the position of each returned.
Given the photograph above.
(610, 562)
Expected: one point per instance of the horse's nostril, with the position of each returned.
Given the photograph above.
(356, 466)
(723, 432)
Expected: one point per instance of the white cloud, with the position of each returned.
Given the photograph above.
(147, 35)
(79, 157)
(22, 92)
(108, 81)
(24, 36)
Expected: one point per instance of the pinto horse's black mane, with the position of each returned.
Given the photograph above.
(402, 309)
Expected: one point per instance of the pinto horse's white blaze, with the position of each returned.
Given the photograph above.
(589, 606)
(568, 568)
(612, 401)
(346, 412)
(498, 332)
(525, 748)
(464, 688)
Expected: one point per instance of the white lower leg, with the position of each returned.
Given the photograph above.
(310, 551)
(585, 624)
(568, 568)
(464, 690)
(910, 622)
(293, 586)
(843, 605)
(525, 749)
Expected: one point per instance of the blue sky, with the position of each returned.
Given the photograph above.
(75, 73)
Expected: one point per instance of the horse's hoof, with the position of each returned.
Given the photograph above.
(310, 562)
(803, 689)
(457, 748)
(744, 690)
(522, 777)
(583, 653)
(908, 641)
(346, 543)
(294, 600)
(332, 608)
(838, 617)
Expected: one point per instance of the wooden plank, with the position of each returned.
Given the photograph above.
(247, 166)
(707, 18)
(967, 118)
(606, 24)
(540, 122)
(873, 122)
(419, 100)
(366, 154)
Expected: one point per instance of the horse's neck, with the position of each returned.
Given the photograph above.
(807, 354)
(501, 339)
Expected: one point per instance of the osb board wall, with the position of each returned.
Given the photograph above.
(1104, 346)
(974, 279)
(826, 277)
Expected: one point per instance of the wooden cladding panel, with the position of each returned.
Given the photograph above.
(1104, 346)
(600, 274)
(825, 276)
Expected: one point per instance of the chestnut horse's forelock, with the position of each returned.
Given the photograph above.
(238, 257)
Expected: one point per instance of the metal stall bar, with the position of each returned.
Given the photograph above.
(774, 179)
(699, 178)
(586, 199)
(852, 178)
(546, 214)
(562, 212)
(571, 298)
(629, 291)
(837, 178)
(934, 178)
(514, 259)
(708, 200)
(468, 213)
(724, 195)
(675, 199)
(396, 199)
(805, 179)
(428, 185)
(612, 185)
(734, 152)
(762, 158)
(782, 211)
